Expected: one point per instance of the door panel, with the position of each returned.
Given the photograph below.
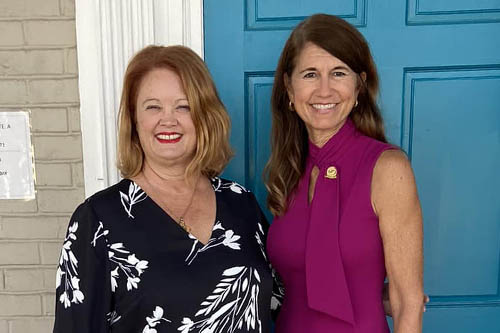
(439, 65)
(285, 14)
(445, 11)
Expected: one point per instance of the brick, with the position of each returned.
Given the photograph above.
(53, 90)
(21, 253)
(20, 305)
(13, 92)
(26, 8)
(57, 148)
(63, 229)
(61, 200)
(74, 119)
(68, 7)
(53, 174)
(49, 278)
(11, 34)
(31, 62)
(50, 252)
(50, 32)
(32, 227)
(78, 177)
(24, 279)
(18, 206)
(49, 120)
(71, 62)
(49, 304)
(4, 327)
(25, 325)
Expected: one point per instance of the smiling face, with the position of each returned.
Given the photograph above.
(166, 130)
(323, 90)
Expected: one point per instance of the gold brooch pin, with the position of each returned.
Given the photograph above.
(331, 172)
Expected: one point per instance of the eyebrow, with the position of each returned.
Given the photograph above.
(334, 68)
(150, 100)
(157, 100)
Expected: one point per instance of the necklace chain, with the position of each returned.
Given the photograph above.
(180, 220)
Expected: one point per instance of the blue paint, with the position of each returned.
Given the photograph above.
(269, 15)
(446, 12)
(439, 65)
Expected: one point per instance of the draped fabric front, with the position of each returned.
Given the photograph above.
(333, 295)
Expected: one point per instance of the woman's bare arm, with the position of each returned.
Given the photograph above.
(395, 201)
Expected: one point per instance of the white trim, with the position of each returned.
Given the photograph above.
(108, 33)
(90, 86)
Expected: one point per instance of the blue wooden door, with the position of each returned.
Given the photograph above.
(439, 63)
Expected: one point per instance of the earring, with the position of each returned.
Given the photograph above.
(355, 105)
(290, 106)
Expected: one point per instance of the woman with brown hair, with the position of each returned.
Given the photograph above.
(346, 208)
(172, 247)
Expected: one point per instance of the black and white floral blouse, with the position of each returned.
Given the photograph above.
(126, 266)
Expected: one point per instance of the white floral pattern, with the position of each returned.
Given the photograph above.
(278, 287)
(259, 234)
(134, 196)
(154, 320)
(128, 264)
(112, 317)
(124, 261)
(99, 233)
(226, 238)
(218, 185)
(67, 271)
(232, 305)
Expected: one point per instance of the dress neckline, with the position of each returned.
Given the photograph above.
(172, 220)
(333, 149)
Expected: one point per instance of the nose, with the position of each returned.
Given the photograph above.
(168, 117)
(325, 87)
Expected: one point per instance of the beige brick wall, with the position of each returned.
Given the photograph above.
(38, 71)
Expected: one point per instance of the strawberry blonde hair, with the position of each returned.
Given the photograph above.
(209, 115)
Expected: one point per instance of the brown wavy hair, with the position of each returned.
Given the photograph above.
(211, 121)
(289, 138)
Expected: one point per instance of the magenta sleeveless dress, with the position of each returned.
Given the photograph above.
(329, 253)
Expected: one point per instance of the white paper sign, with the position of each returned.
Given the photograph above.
(16, 159)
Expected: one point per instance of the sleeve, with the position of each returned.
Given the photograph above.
(83, 286)
(278, 292)
(278, 295)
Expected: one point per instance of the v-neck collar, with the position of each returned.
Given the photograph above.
(172, 220)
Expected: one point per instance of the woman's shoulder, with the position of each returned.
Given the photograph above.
(225, 185)
(124, 186)
(235, 193)
(103, 200)
(392, 163)
(370, 143)
(239, 200)
(91, 207)
(369, 151)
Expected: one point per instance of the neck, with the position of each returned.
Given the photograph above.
(321, 137)
(173, 177)
(320, 140)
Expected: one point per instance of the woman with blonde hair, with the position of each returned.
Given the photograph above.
(172, 247)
